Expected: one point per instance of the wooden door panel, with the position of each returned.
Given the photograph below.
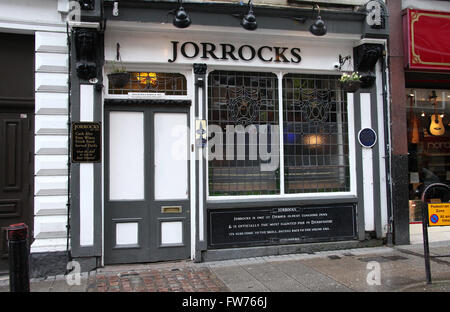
(16, 174)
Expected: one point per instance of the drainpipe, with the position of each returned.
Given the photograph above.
(69, 82)
(388, 151)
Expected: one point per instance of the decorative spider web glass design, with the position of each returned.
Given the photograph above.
(247, 102)
(316, 157)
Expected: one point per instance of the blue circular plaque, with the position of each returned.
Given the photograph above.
(367, 137)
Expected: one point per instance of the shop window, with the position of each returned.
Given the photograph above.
(149, 82)
(428, 143)
(244, 134)
(316, 157)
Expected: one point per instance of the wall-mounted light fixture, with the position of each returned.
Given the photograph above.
(318, 28)
(181, 19)
(249, 20)
(342, 61)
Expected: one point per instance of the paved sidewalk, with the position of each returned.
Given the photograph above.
(400, 269)
(378, 269)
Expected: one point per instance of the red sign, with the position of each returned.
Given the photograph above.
(427, 39)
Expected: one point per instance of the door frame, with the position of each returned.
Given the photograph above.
(156, 106)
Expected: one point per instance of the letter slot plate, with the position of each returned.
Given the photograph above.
(171, 209)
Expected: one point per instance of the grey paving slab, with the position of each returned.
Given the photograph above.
(310, 278)
(349, 272)
(274, 279)
(435, 286)
(61, 285)
(51, 284)
(238, 280)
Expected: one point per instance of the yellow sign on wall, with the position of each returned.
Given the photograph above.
(438, 214)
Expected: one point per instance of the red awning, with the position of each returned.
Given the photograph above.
(427, 39)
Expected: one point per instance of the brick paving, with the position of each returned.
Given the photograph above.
(183, 279)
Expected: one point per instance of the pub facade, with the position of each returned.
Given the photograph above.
(219, 130)
(225, 132)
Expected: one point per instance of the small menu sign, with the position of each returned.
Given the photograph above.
(86, 142)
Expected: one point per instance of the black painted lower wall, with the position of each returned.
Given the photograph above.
(44, 264)
(400, 197)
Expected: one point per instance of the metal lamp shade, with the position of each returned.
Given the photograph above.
(249, 21)
(181, 19)
(318, 28)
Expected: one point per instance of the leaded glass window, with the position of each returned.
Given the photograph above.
(243, 138)
(316, 152)
(150, 82)
(315, 134)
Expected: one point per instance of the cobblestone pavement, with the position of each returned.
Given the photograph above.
(179, 279)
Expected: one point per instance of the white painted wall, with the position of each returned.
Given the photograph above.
(367, 165)
(41, 18)
(151, 44)
(86, 173)
(51, 137)
(28, 16)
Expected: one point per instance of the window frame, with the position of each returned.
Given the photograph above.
(185, 71)
(283, 195)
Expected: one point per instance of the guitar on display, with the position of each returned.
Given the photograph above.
(436, 126)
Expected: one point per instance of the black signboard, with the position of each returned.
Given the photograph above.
(267, 226)
(86, 142)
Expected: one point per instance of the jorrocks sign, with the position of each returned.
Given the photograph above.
(226, 51)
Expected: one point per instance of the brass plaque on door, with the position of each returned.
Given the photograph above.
(171, 209)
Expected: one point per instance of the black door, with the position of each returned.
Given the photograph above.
(147, 207)
(16, 174)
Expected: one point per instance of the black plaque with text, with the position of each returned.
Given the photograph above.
(267, 226)
(86, 142)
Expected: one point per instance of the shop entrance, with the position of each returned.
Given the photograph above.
(429, 154)
(147, 211)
